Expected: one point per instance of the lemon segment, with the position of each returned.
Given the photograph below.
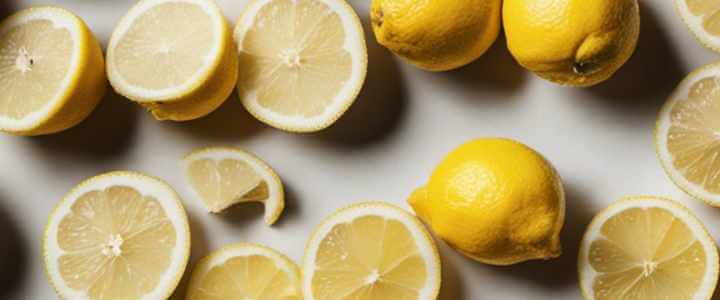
(51, 71)
(304, 62)
(122, 234)
(703, 20)
(245, 271)
(371, 251)
(647, 248)
(221, 177)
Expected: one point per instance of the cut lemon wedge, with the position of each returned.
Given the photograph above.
(175, 57)
(687, 134)
(52, 72)
(303, 62)
(371, 251)
(245, 271)
(222, 177)
(702, 18)
(647, 248)
(120, 235)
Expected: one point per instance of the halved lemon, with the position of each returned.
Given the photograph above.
(647, 248)
(687, 134)
(703, 20)
(174, 57)
(371, 251)
(221, 177)
(304, 62)
(52, 72)
(245, 271)
(120, 235)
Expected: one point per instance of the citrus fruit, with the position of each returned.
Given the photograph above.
(120, 235)
(371, 251)
(304, 62)
(222, 177)
(496, 201)
(176, 58)
(647, 248)
(701, 18)
(436, 35)
(245, 271)
(52, 72)
(572, 42)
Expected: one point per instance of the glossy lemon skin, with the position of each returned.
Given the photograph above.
(572, 42)
(436, 35)
(496, 201)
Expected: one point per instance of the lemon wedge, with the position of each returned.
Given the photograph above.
(703, 20)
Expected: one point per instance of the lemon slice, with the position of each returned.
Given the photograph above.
(304, 62)
(175, 57)
(222, 177)
(245, 271)
(687, 134)
(52, 73)
(371, 251)
(119, 235)
(702, 17)
(647, 248)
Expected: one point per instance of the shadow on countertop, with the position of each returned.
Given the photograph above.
(7, 7)
(199, 247)
(14, 252)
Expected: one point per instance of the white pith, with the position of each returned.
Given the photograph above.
(695, 24)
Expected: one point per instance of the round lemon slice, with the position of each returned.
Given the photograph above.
(245, 271)
(687, 134)
(647, 248)
(371, 251)
(52, 72)
(703, 20)
(221, 177)
(119, 235)
(175, 57)
(304, 62)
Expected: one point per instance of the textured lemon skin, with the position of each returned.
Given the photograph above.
(496, 201)
(572, 42)
(436, 35)
(88, 83)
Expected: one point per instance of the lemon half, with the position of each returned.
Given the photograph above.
(701, 17)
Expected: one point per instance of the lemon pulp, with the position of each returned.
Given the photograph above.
(707, 11)
(221, 183)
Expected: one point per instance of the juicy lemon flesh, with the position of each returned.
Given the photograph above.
(709, 11)
(226, 182)
(368, 258)
(694, 135)
(116, 242)
(646, 253)
(293, 57)
(34, 59)
(165, 46)
(246, 277)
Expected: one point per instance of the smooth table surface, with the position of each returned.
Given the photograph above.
(403, 123)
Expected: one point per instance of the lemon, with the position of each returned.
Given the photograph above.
(436, 35)
(119, 235)
(702, 19)
(496, 201)
(245, 271)
(304, 62)
(222, 177)
(572, 42)
(647, 248)
(687, 134)
(176, 58)
(51, 71)
(371, 251)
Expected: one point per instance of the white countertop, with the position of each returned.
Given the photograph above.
(404, 122)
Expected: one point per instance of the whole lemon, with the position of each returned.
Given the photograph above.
(572, 42)
(436, 35)
(496, 201)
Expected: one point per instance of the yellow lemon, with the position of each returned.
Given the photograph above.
(572, 42)
(436, 35)
(496, 201)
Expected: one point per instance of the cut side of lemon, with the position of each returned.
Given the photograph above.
(304, 62)
(245, 271)
(703, 20)
(174, 57)
(647, 248)
(52, 72)
(687, 135)
(371, 251)
(120, 235)
(221, 177)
